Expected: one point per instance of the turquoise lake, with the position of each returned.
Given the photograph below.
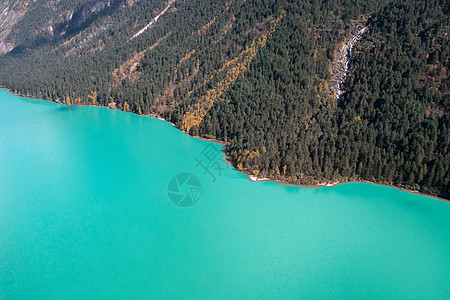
(87, 212)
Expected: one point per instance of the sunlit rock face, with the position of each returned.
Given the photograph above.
(67, 16)
(10, 13)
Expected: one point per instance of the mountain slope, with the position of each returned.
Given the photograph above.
(257, 74)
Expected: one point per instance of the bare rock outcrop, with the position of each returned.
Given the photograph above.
(342, 62)
(11, 11)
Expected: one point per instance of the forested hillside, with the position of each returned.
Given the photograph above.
(258, 74)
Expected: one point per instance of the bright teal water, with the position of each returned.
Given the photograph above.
(84, 213)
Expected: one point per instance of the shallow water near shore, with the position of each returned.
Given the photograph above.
(89, 208)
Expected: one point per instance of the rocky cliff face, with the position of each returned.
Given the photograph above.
(11, 11)
(89, 9)
(48, 20)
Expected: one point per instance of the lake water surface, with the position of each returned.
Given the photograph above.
(87, 211)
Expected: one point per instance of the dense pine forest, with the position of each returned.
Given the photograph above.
(257, 74)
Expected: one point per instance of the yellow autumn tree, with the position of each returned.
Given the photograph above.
(93, 98)
(232, 69)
